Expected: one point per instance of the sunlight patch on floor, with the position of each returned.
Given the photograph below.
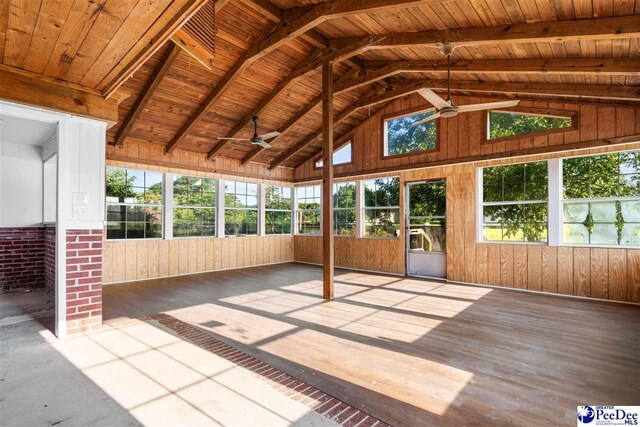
(161, 379)
(432, 386)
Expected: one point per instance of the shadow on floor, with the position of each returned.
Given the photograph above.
(411, 351)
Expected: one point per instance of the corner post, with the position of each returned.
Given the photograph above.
(327, 181)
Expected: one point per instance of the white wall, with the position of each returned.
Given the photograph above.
(21, 185)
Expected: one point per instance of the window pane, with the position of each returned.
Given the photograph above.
(402, 136)
(381, 192)
(515, 222)
(116, 230)
(381, 222)
(503, 124)
(344, 222)
(308, 222)
(427, 235)
(630, 210)
(428, 199)
(630, 234)
(340, 157)
(277, 197)
(575, 233)
(241, 222)
(604, 234)
(576, 212)
(603, 211)
(344, 195)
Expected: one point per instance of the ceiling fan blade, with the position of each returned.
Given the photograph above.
(427, 120)
(433, 98)
(487, 106)
(270, 135)
(264, 144)
(234, 139)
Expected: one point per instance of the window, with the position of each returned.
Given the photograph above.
(340, 157)
(308, 210)
(381, 207)
(515, 202)
(194, 201)
(601, 199)
(241, 208)
(504, 124)
(344, 209)
(401, 136)
(277, 210)
(134, 204)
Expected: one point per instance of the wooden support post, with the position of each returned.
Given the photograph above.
(327, 181)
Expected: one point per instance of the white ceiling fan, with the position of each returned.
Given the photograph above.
(256, 139)
(446, 108)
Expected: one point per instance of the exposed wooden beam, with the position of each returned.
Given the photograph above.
(327, 182)
(622, 93)
(302, 69)
(281, 34)
(355, 7)
(171, 20)
(30, 89)
(265, 8)
(274, 37)
(296, 118)
(558, 31)
(154, 81)
(601, 66)
(371, 98)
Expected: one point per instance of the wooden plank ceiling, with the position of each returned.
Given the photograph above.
(268, 55)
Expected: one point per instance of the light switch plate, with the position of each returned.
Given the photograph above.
(80, 199)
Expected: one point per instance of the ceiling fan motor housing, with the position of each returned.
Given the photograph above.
(448, 111)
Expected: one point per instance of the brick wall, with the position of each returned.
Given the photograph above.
(50, 258)
(84, 280)
(21, 257)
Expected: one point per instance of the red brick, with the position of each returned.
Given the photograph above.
(91, 267)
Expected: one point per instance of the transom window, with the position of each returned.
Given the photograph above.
(134, 204)
(344, 209)
(308, 210)
(515, 202)
(341, 156)
(402, 135)
(241, 208)
(194, 206)
(277, 210)
(381, 207)
(504, 124)
(601, 199)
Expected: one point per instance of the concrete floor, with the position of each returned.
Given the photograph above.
(129, 373)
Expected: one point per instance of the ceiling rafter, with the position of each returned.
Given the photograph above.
(278, 35)
(154, 81)
(301, 70)
(370, 99)
(600, 66)
(557, 31)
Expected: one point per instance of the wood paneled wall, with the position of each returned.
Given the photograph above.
(460, 138)
(148, 259)
(383, 255)
(152, 154)
(592, 272)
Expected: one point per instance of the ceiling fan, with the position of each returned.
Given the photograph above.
(446, 108)
(256, 139)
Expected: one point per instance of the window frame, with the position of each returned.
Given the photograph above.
(555, 205)
(266, 209)
(226, 208)
(574, 116)
(364, 207)
(354, 208)
(214, 207)
(296, 231)
(400, 114)
(590, 200)
(335, 151)
(482, 204)
(162, 207)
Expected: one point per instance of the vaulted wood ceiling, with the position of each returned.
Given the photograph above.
(268, 56)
